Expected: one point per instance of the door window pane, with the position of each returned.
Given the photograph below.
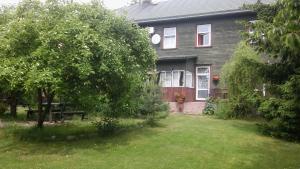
(203, 82)
(202, 93)
(203, 70)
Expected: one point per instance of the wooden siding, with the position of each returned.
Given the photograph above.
(169, 93)
(225, 35)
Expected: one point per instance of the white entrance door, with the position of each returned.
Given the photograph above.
(202, 82)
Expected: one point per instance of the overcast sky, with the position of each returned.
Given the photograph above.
(111, 4)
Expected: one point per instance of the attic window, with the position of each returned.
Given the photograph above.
(203, 35)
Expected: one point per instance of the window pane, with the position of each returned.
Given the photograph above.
(203, 82)
(189, 79)
(169, 42)
(202, 93)
(203, 28)
(200, 39)
(181, 79)
(206, 40)
(175, 79)
(203, 70)
(170, 32)
(168, 82)
(162, 78)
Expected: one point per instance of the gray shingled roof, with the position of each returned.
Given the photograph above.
(177, 9)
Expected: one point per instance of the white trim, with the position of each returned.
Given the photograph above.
(209, 33)
(172, 76)
(209, 76)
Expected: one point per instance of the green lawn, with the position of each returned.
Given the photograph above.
(179, 142)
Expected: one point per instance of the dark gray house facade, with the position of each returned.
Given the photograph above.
(193, 39)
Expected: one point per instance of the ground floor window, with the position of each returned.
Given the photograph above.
(176, 78)
(202, 82)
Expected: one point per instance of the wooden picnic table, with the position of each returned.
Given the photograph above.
(58, 110)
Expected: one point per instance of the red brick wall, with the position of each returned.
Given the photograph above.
(169, 93)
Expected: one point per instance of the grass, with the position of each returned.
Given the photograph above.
(179, 142)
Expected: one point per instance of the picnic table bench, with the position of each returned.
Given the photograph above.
(58, 111)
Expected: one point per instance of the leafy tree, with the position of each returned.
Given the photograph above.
(76, 51)
(279, 38)
(240, 75)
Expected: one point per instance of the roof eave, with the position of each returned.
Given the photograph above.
(175, 18)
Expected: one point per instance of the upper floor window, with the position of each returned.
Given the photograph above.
(169, 41)
(203, 35)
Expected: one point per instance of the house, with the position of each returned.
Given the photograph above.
(193, 39)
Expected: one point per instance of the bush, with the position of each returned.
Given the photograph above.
(283, 112)
(240, 75)
(3, 108)
(107, 126)
(210, 107)
(222, 109)
(244, 105)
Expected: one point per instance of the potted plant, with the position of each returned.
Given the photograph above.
(180, 98)
(216, 78)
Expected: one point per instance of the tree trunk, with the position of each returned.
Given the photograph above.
(13, 104)
(50, 97)
(41, 116)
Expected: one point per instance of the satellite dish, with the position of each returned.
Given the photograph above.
(156, 39)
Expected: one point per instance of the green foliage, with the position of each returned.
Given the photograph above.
(240, 72)
(282, 112)
(150, 100)
(223, 109)
(279, 38)
(210, 107)
(244, 105)
(82, 53)
(264, 12)
(107, 126)
(242, 78)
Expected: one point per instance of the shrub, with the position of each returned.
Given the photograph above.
(241, 106)
(283, 111)
(222, 109)
(150, 103)
(240, 75)
(210, 107)
(3, 108)
(107, 126)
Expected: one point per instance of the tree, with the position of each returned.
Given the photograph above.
(12, 69)
(239, 75)
(279, 38)
(76, 51)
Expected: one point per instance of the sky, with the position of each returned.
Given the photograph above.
(110, 4)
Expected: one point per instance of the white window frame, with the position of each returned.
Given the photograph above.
(199, 32)
(166, 36)
(199, 74)
(172, 78)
